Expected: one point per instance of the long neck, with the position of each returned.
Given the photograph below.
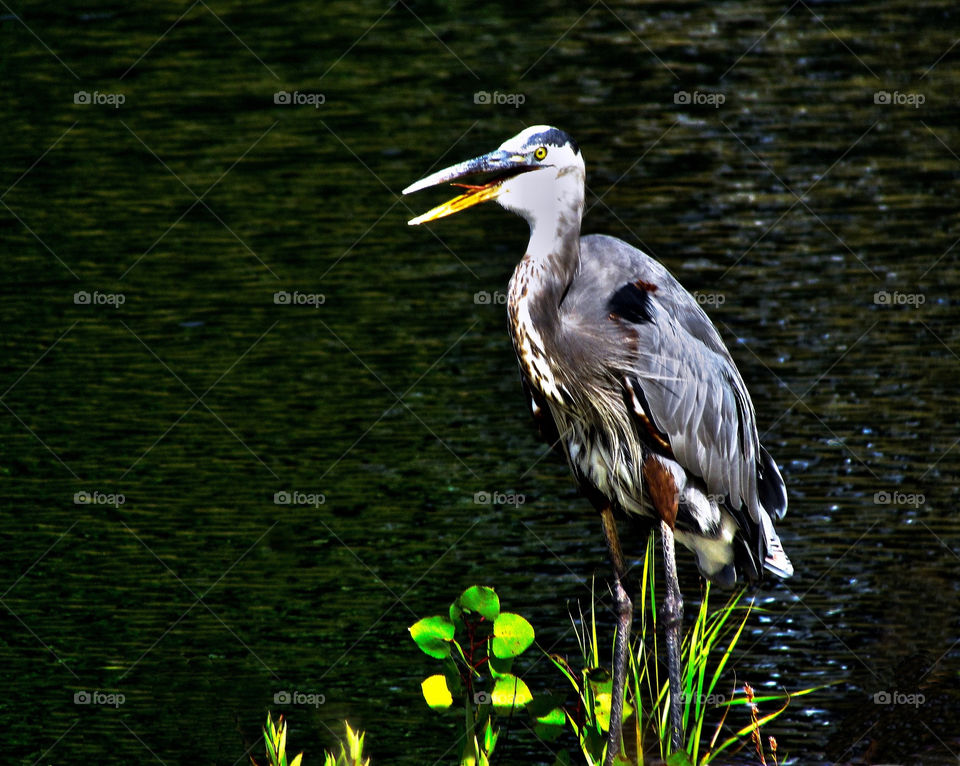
(553, 252)
(547, 269)
(537, 288)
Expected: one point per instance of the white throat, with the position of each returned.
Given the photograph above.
(551, 201)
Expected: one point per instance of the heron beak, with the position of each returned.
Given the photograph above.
(504, 164)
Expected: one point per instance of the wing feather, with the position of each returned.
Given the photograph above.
(680, 370)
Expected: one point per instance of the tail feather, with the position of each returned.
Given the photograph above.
(776, 559)
(771, 490)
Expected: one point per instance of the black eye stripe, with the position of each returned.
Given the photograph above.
(555, 137)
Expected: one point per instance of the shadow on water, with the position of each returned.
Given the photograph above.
(814, 210)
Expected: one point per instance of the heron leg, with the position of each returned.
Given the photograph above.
(673, 614)
(663, 493)
(622, 643)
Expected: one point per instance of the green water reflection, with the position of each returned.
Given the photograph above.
(197, 200)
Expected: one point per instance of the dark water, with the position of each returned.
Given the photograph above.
(797, 207)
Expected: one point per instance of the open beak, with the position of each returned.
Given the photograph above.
(503, 164)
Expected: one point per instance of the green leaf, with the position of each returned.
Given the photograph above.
(269, 728)
(452, 673)
(554, 717)
(550, 725)
(500, 666)
(601, 709)
(593, 742)
(490, 737)
(433, 636)
(510, 692)
(511, 635)
(282, 745)
(482, 600)
(456, 616)
(679, 759)
(601, 684)
(436, 692)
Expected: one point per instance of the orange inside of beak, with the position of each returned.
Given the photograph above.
(474, 196)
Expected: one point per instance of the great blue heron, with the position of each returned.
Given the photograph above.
(623, 367)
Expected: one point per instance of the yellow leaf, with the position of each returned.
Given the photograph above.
(436, 692)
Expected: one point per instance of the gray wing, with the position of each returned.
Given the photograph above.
(678, 375)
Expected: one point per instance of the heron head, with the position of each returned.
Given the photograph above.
(535, 174)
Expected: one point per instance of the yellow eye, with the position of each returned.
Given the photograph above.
(540, 152)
